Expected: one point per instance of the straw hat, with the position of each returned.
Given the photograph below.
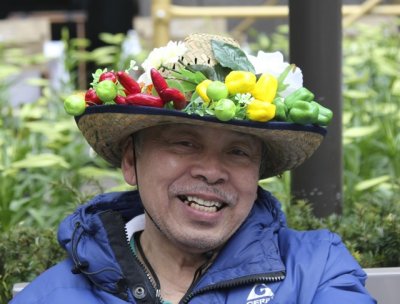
(107, 127)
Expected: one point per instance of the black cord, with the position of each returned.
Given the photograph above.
(145, 260)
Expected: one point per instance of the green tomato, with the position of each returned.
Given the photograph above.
(106, 90)
(217, 90)
(225, 109)
(74, 105)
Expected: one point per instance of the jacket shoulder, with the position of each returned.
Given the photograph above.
(318, 262)
(57, 285)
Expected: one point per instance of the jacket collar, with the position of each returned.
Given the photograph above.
(252, 251)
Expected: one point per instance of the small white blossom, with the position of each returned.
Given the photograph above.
(168, 54)
(243, 99)
(274, 64)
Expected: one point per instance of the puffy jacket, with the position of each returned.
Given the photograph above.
(263, 262)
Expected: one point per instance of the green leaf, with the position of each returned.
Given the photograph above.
(207, 71)
(357, 132)
(95, 172)
(115, 39)
(172, 83)
(230, 56)
(353, 94)
(220, 72)
(373, 182)
(40, 161)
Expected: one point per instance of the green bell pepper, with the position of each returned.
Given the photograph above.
(281, 109)
(303, 112)
(324, 114)
(300, 94)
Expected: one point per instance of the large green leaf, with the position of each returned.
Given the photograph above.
(40, 161)
(373, 182)
(230, 56)
(357, 132)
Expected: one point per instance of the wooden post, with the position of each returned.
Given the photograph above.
(160, 12)
(315, 46)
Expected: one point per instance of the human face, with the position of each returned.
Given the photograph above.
(198, 184)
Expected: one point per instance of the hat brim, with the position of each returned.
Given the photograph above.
(107, 127)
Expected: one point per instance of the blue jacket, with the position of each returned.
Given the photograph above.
(263, 262)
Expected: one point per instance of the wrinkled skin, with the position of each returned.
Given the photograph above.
(177, 163)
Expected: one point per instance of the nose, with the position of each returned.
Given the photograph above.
(210, 169)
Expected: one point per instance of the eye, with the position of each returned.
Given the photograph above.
(183, 143)
(239, 152)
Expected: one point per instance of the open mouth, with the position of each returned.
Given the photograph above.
(201, 204)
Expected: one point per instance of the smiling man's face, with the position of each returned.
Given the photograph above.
(198, 184)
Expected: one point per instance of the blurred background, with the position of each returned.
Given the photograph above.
(50, 49)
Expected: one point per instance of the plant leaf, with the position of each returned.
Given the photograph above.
(40, 161)
(373, 182)
(230, 56)
(357, 132)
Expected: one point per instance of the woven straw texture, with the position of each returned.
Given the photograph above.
(107, 133)
(199, 51)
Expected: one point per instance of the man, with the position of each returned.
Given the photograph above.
(198, 229)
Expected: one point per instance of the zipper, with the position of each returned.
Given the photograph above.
(152, 281)
(268, 278)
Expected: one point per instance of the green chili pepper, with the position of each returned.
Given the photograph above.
(281, 109)
(303, 112)
(300, 94)
(324, 114)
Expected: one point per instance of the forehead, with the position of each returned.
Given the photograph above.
(198, 131)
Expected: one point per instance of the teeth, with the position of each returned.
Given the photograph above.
(202, 205)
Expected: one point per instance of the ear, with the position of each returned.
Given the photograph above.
(128, 164)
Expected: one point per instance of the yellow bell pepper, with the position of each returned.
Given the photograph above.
(240, 82)
(259, 110)
(265, 88)
(201, 89)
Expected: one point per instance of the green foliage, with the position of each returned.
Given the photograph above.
(370, 230)
(371, 115)
(370, 223)
(25, 252)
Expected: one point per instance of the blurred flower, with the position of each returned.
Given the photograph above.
(274, 64)
(162, 56)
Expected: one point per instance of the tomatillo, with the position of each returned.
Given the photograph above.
(225, 109)
(217, 90)
(106, 90)
(74, 105)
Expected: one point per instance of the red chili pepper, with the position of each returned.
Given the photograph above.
(141, 99)
(176, 96)
(158, 81)
(120, 100)
(129, 84)
(167, 94)
(91, 97)
(108, 76)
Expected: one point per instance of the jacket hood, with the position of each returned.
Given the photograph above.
(87, 241)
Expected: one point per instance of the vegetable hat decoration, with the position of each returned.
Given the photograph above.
(206, 80)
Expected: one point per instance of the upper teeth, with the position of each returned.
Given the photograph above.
(202, 202)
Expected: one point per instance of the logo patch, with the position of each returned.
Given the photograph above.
(260, 294)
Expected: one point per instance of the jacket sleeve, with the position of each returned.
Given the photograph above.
(343, 280)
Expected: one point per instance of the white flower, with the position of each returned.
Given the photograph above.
(168, 54)
(274, 64)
